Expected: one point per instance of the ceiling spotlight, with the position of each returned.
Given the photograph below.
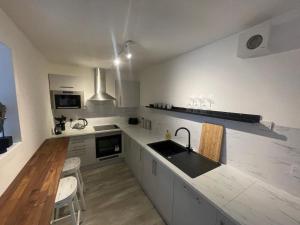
(127, 49)
(117, 61)
(128, 55)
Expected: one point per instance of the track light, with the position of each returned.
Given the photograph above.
(129, 55)
(117, 61)
(125, 50)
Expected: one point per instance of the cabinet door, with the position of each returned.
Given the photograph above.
(149, 179)
(127, 93)
(164, 192)
(126, 147)
(189, 208)
(222, 220)
(158, 184)
(84, 148)
(133, 157)
(136, 158)
(63, 82)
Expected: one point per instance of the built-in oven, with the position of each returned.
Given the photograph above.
(108, 144)
(67, 99)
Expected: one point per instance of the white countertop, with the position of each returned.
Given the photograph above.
(243, 198)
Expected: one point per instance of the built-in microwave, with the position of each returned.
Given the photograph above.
(67, 99)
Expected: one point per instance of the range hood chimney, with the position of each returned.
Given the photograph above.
(100, 87)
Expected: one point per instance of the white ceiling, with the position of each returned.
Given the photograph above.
(80, 31)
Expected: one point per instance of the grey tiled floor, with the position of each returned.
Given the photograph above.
(114, 197)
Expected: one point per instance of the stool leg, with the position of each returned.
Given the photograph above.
(78, 207)
(72, 212)
(77, 203)
(81, 179)
(81, 193)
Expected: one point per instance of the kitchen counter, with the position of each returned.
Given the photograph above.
(29, 199)
(241, 197)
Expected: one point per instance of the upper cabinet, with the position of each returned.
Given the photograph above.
(65, 82)
(127, 93)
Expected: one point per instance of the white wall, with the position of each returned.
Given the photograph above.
(268, 86)
(30, 71)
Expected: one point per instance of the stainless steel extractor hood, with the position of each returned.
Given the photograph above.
(100, 87)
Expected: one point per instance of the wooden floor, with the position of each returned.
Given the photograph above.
(114, 197)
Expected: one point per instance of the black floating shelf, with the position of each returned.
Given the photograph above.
(248, 118)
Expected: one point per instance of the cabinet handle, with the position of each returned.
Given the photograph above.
(120, 100)
(66, 87)
(198, 200)
(154, 167)
(140, 154)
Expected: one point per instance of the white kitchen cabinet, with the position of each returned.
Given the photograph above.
(133, 157)
(223, 220)
(64, 82)
(149, 179)
(127, 93)
(84, 148)
(189, 208)
(136, 158)
(158, 184)
(126, 147)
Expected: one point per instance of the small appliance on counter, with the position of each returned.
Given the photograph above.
(80, 126)
(5, 141)
(60, 124)
(133, 121)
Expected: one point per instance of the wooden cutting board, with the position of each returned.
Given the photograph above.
(211, 141)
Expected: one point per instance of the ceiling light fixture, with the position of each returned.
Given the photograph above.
(117, 61)
(125, 50)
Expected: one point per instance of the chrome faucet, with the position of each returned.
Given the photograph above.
(189, 137)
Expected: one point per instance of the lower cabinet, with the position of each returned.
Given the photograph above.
(158, 184)
(84, 148)
(176, 202)
(133, 157)
(222, 220)
(189, 208)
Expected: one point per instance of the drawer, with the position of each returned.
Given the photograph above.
(79, 146)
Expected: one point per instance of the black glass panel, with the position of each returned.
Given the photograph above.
(108, 145)
(67, 101)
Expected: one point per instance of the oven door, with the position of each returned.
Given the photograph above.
(67, 99)
(108, 144)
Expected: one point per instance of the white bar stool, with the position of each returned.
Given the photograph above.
(66, 196)
(72, 167)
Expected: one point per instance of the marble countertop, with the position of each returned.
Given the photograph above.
(245, 199)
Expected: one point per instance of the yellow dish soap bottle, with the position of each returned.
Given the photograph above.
(168, 135)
